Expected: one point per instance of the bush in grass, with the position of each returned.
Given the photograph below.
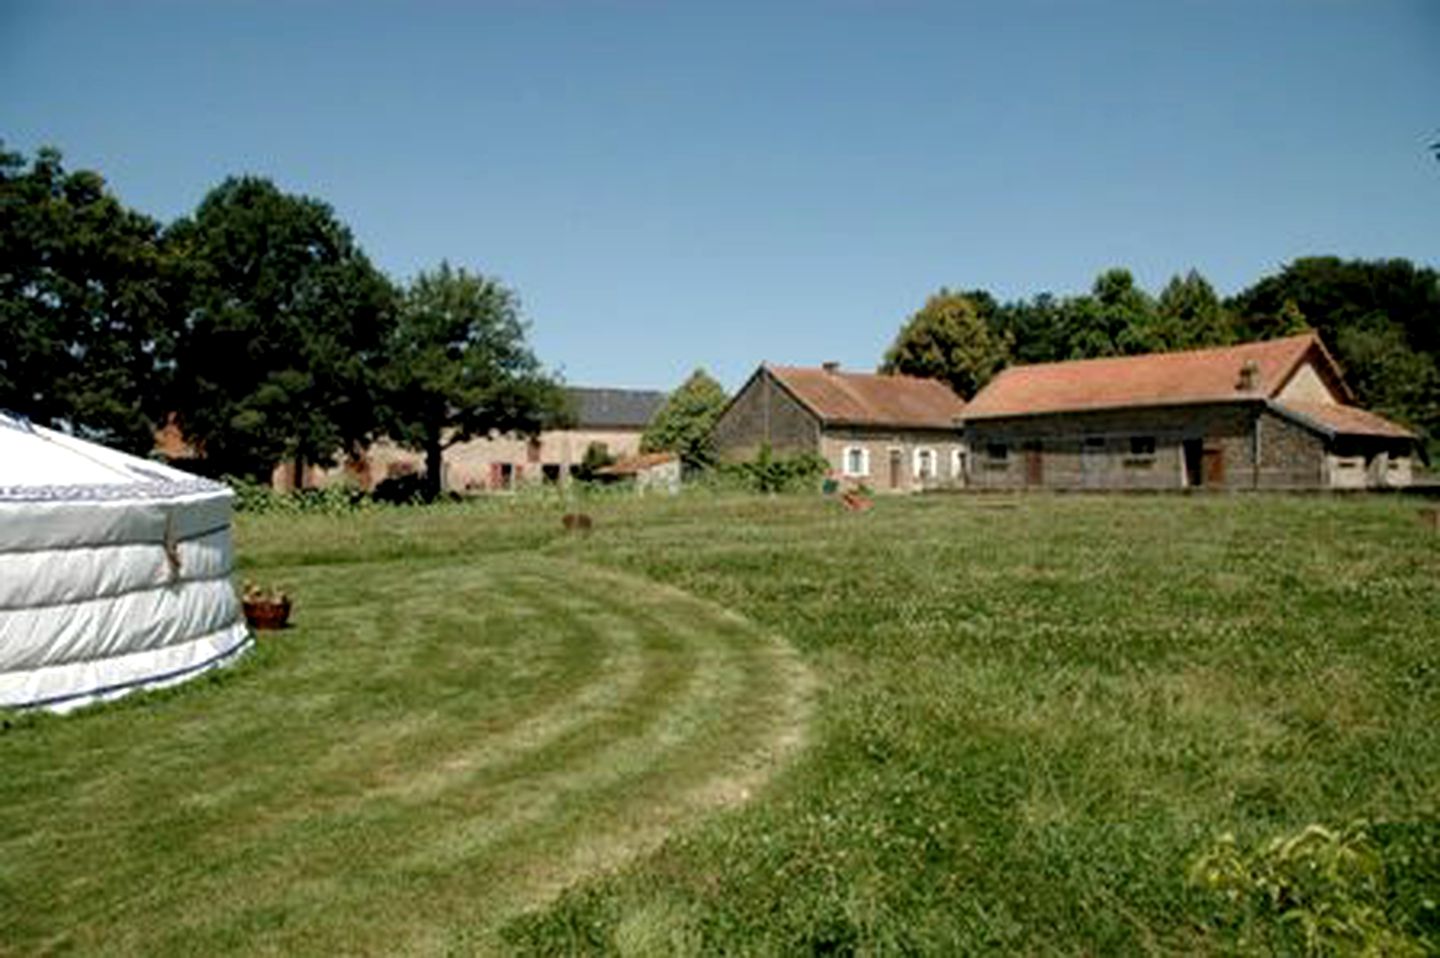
(403, 490)
(1316, 892)
(770, 473)
(258, 498)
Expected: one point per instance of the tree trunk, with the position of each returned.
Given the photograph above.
(434, 466)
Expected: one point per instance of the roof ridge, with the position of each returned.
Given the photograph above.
(854, 373)
(1309, 335)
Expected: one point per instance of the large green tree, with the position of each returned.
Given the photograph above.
(84, 316)
(1035, 328)
(948, 339)
(458, 366)
(285, 322)
(1189, 315)
(684, 425)
(1117, 318)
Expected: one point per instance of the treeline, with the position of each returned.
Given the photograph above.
(256, 325)
(260, 329)
(1380, 318)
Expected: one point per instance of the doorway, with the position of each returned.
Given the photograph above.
(1214, 459)
(897, 468)
(1194, 450)
(1034, 465)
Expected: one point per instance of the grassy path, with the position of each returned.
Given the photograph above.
(435, 747)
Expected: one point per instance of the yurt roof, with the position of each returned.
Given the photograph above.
(37, 463)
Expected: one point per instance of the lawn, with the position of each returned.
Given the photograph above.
(949, 725)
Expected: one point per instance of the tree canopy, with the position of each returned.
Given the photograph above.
(83, 305)
(949, 340)
(1189, 315)
(458, 366)
(683, 425)
(285, 320)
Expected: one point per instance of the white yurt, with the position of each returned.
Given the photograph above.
(114, 572)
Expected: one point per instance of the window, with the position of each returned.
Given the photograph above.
(997, 451)
(924, 464)
(957, 464)
(1142, 452)
(857, 461)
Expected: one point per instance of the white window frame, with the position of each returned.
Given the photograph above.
(957, 463)
(845, 469)
(920, 473)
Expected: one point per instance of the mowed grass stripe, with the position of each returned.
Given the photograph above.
(591, 663)
(731, 700)
(329, 795)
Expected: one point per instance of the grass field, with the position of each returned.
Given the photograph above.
(949, 725)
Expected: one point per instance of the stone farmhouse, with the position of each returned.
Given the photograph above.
(613, 419)
(1267, 415)
(895, 433)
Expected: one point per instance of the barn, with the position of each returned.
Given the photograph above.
(1267, 415)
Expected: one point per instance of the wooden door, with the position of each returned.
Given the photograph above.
(897, 468)
(1214, 465)
(1034, 468)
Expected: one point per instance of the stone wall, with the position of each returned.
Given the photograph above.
(1174, 447)
(946, 450)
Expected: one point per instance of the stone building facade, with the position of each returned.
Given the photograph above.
(1272, 415)
(614, 419)
(888, 433)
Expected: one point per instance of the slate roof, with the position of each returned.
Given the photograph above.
(871, 399)
(1157, 379)
(597, 408)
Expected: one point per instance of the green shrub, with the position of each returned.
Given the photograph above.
(1316, 892)
(769, 473)
(261, 499)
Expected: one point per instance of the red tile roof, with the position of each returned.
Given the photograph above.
(1158, 379)
(634, 465)
(1346, 420)
(870, 399)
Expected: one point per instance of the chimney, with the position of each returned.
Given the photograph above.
(830, 366)
(1249, 376)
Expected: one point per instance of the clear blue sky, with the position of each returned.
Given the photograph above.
(677, 184)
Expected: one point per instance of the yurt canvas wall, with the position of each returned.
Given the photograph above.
(114, 572)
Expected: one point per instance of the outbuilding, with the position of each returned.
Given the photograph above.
(888, 433)
(1266, 415)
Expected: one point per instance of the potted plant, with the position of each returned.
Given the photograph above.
(265, 608)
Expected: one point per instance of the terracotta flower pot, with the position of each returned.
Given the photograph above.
(267, 613)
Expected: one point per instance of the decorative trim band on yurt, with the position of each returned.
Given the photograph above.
(110, 491)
